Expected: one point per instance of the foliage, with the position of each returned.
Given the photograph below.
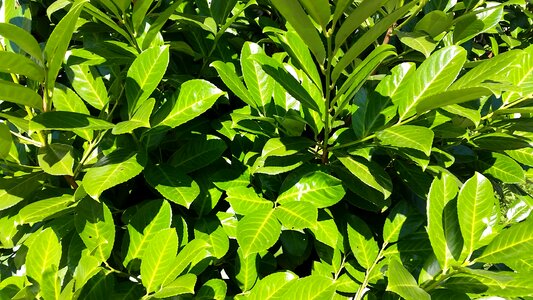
(266, 149)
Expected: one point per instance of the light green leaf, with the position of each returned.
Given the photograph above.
(272, 286)
(408, 136)
(471, 25)
(96, 227)
(88, 83)
(363, 11)
(259, 84)
(258, 231)
(418, 41)
(296, 16)
(475, 204)
(362, 243)
(6, 142)
(40, 210)
(173, 184)
(191, 254)
(319, 10)
(87, 267)
(56, 159)
(151, 218)
(317, 188)
(227, 73)
(141, 118)
(400, 222)
(402, 282)
(19, 64)
(117, 167)
(246, 270)
(144, 75)
(297, 215)
(198, 152)
(158, 258)
(213, 289)
(59, 40)
(311, 287)
(285, 146)
(182, 285)
(68, 121)
(519, 285)
(510, 244)
(369, 173)
(450, 97)
(522, 77)
(43, 256)
(213, 233)
(523, 156)
(244, 200)
(433, 76)
(158, 23)
(443, 227)
(15, 189)
(65, 99)
(434, 23)
(15, 93)
(195, 97)
(22, 38)
(502, 168)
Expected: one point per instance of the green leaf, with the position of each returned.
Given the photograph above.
(510, 244)
(151, 218)
(96, 227)
(433, 76)
(258, 231)
(245, 200)
(43, 256)
(272, 286)
(22, 38)
(259, 84)
(402, 282)
(173, 184)
(117, 167)
(56, 159)
(198, 152)
(41, 210)
(59, 40)
(68, 121)
(15, 93)
(88, 83)
(15, 189)
(500, 141)
(227, 73)
(450, 97)
(408, 136)
(523, 156)
(369, 173)
(310, 287)
(6, 142)
(502, 168)
(296, 16)
(65, 99)
(475, 204)
(246, 270)
(519, 285)
(317, 188)
(297, 215)
(156, 25)
(195, 97)
(364, 10)
(471, 25)
(210, 230)
(213, 289)
(418, 41)
(144, 76)
(400, 222)
(522, 77)
(157, 259)
(191, 254)
(443, 227)
(182, 285)
(434, 23)
(141, 118)
(221, 9)
(362, 243)
(319, 10)
(19, 64)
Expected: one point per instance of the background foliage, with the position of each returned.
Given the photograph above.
(260, 149)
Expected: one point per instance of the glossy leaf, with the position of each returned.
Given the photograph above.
(157, 259)
(15, 189)
(510, 244)
(245, 200)
(88, 83)
(408, 136)
(95, 226)
(18, 94)
(259, 84)
(182, 285)
(246, 270)
(311, 287)
(258, 231)
(22, 38)
(19, 64)
(450, 97)
(369, 173)
(317, 188)
(362, 243)
(213, 289)
(68, 121)
(43, 255)
(474, 207)
(56, 159)
(402, 282)
(192, 253)
(173, 184)
(502, 167)
(297, 215)
(272, 286)
(226, 71)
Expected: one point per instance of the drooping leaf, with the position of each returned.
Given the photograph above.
(157, 259)
(119, 166)
(402, 282)
(15, 189)
(195, 97)
(95, 226)
(144, 75)
(258, 231)
(18, 64)
(173, 184)
(68, 121)
(297, 214)
(56, 159)
(474, 207)
(362, 243)
(317, 188)
(245, 200)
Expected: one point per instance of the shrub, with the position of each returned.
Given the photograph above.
(291, 149)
